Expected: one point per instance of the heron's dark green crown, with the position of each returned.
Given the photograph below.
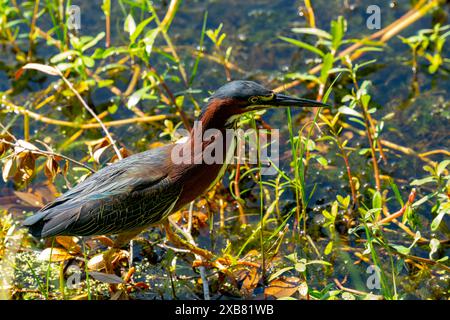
(241, 90)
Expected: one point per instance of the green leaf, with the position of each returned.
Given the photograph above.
(337, 32)
(376, 200)
(437, 220)
(334, 209)
(63, 56)
(326, 66)
(106, 7)
(322, 160)
(365, 99)
(303, 45)
(441, 167)
(93, 42)
(349, 111)
(300, 266)
(130, 25)
(401, 249)
(105, 83)
(328, 248)
(140, 27)
(149, 40)
(88, 61)
(136, 97)
(279, 273)
(43, 68)
(419, 182)
(313, 31)
(396, 192)
(325, 263)
(113, 108)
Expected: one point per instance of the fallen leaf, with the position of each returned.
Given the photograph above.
(56, 255)
(105, 241)
(283, 287)
(106, 277)
(96, 262)
(69, 243)
(250, 281)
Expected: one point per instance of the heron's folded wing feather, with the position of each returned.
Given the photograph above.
(136, 174)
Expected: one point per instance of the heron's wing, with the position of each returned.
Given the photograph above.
(130, 193)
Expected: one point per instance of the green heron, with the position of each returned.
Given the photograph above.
(144, 189)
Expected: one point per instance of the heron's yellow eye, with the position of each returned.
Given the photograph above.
(253, 99)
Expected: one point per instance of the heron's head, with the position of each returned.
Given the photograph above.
(238, 97)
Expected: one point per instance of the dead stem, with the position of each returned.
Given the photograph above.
(399, 213)
(310, 14)
(63, 123)
(32, 28)
(341, 287)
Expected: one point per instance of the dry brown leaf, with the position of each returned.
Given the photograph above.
(106, 277)
(69, 244)
(97, 153)
(283, 287)
(96, 263)
(4, 146)
(123, 152)
(250, 281)
(105, 241)
(56, 255)
(8, 169)
(26, 162)
(46, 191)
(51, 168)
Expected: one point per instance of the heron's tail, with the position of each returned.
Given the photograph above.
(35, 224)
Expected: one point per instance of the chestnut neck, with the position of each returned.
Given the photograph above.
(218, 113)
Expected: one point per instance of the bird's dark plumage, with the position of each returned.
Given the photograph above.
(123, 196)
(240, 89)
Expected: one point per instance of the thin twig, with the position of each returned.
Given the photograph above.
(399, 213)
(85, 105)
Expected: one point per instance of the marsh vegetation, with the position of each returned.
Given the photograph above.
(358, 208)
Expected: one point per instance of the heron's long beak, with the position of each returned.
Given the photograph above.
(281, 100)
